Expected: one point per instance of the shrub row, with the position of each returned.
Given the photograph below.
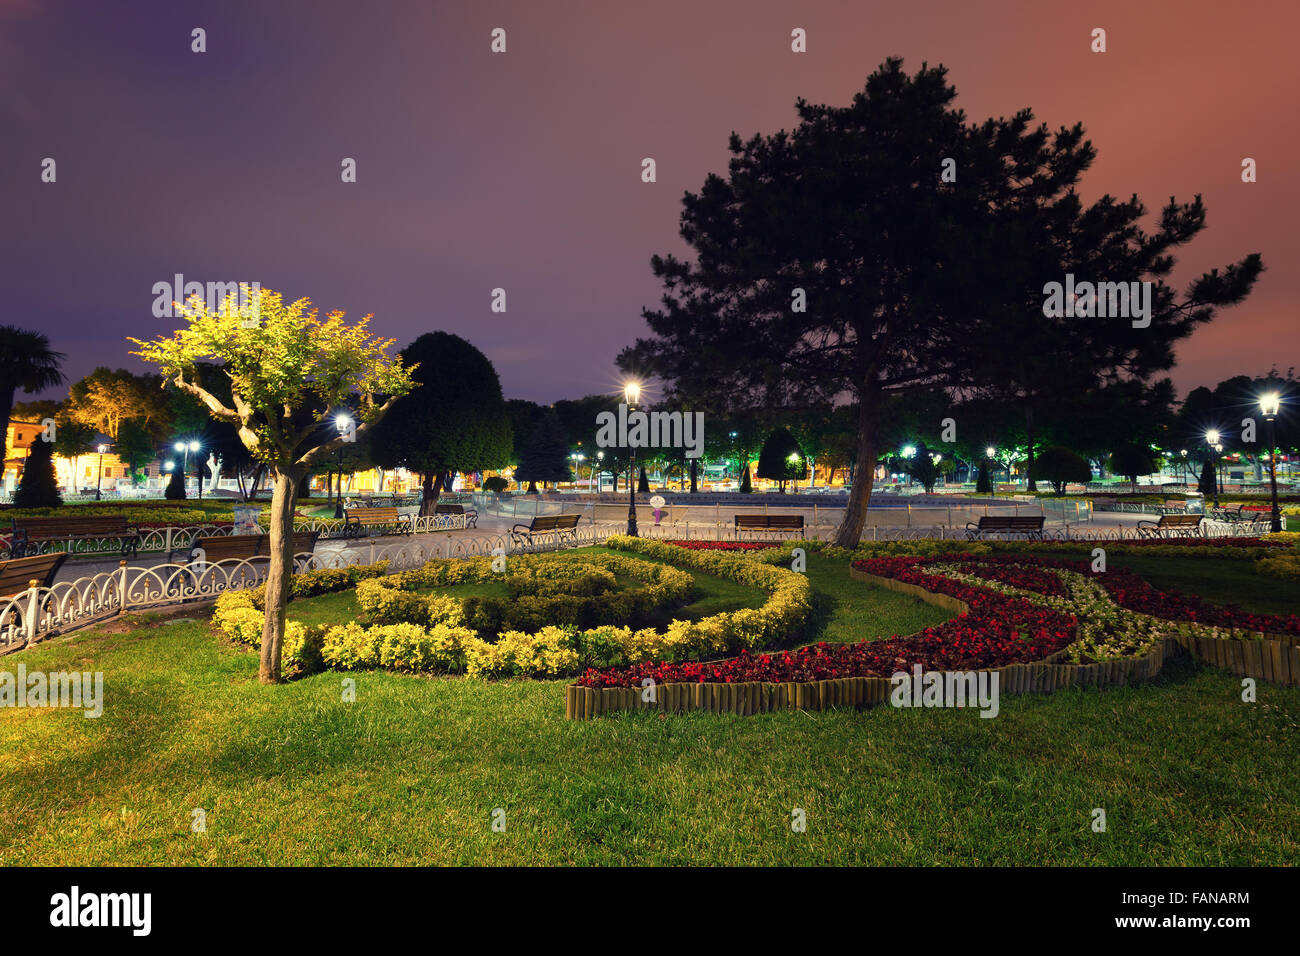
(444, 647)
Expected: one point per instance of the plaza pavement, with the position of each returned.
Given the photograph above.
(679, 523)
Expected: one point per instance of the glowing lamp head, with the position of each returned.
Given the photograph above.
(909, 451)
(632, 392)
(194, 445)
(1212, 436)
(1269, 403)
(102, 449)
(343, 421)
(990, 451)
(179, 446)
(169, 466)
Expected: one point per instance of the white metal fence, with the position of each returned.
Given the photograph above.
(41, 612)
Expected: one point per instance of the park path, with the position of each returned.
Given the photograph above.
(487, 525)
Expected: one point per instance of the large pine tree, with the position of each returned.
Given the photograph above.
(837, 260)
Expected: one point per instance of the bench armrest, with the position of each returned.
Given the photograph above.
(526, 528)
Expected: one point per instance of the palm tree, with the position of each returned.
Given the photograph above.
(26, 362)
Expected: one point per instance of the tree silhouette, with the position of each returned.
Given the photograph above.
(38, 487)
(547, 456)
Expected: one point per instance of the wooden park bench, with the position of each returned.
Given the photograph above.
(787, 524)
(471, 514)
(355, 520)
(1172, 526)
(31, 535)
(243, 547)
(562, 526)
(17, 574)
(1029, 525)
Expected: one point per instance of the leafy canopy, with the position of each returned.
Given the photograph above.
(288, 370)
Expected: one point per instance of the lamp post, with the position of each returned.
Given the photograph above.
(631, 392)
(342, 422)
(100, 477)
(1269, 403)
(597, 470)
(1212, 441)
(185, 448)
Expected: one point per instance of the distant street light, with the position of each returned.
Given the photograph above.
(186, 448)
(1212, 440)
(100, 477)
(342, 422)
(1269, 404)
(631, 393)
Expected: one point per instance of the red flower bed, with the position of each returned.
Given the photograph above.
(1183, 543)
(722, 545)
(1130, 591)
(997, 630)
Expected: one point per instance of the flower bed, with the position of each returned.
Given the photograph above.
(1021, 609)
(722, 545)
(995, 631)
(436, 640)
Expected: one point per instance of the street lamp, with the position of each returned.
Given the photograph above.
(186, 448)
(100, 477)
(597, 472)
(1212, 440)
(631, 392)
(342, 422)
(1269, 404)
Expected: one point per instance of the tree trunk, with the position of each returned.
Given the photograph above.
(1029, 462)
(695, 475)
(849, 533)
(280, 571)
(430, 489)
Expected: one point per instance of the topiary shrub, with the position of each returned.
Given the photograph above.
(38, 487)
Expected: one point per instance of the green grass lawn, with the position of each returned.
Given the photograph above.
(411, 772)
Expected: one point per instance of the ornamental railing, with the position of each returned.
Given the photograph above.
(175, 538)
(42, 612)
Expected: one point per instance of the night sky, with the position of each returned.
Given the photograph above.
(522, 170)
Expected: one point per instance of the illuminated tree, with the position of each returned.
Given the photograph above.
(289, 370)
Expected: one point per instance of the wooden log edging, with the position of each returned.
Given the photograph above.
(753, 697)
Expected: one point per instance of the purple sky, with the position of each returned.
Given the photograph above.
(523, 170)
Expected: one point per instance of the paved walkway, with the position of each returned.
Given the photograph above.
(493, 525)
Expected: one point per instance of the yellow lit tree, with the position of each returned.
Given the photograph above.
(289, 371)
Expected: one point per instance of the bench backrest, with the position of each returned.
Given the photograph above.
(225, 547)
(1011, 521)
(374, 514)
(785, 521)
(17, 574)
(769, 521)
(62, 526)
(449, 509)
(1179, 521)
